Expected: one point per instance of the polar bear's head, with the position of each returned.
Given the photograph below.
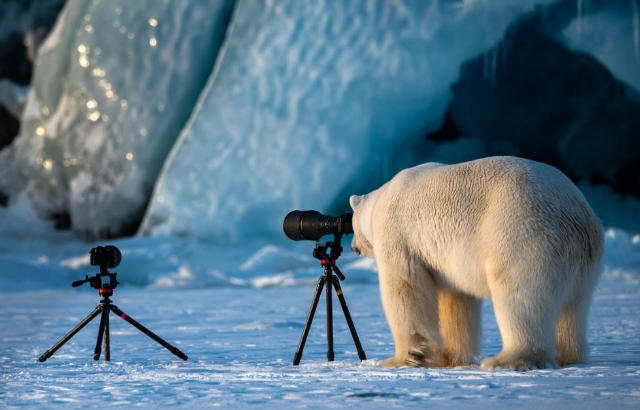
(361, 243)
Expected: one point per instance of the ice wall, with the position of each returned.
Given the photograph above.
(531, 96)
(612, 35)
(113, 86)
(308, 101)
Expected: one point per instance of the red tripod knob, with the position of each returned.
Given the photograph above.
(105, 292)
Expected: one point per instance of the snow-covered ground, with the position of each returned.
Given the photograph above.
(238, 312)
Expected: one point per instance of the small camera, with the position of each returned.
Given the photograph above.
(108, 256)
(312, 225)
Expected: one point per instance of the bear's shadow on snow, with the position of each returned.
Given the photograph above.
(368, 395)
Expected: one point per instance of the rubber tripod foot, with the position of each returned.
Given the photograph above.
(297, 358)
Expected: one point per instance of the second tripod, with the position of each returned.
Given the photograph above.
(328, 280)
(105, 281)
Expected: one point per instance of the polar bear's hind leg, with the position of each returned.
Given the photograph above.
(571, 327)
(526, 307)
(571, 341)
(459, 320)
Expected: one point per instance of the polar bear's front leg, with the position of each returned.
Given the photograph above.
(411, 307)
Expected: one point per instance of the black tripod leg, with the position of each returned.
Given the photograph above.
(103, 319)
(347, 316)
(107, 347)
(329, 322)
(149, 333)
(69, 335)
(307, 324)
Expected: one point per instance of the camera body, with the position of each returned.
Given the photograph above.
(105, 256)
(312, 225)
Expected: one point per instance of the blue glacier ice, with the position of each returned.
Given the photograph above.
(113, 85)
(610, 32)
(238, 112)
(309, 101)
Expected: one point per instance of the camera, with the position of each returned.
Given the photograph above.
(108, 256)
(312, 225)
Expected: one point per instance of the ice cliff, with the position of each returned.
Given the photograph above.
(214, 119)
(113, 85)
(310, 100)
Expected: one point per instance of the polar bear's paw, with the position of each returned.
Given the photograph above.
(519, 362)
(393, 362)
(427, 354)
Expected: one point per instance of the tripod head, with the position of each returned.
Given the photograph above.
(97, 282)
(328, 260)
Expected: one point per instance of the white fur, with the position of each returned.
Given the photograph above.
(511, 230)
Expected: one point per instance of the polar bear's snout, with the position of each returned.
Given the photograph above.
(355, 250)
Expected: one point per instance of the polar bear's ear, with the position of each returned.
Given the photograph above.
(354, 200)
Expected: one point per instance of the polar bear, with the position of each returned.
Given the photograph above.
(508, 229)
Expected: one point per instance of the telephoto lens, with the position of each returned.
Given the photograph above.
(312, 225)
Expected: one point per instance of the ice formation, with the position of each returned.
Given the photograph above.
(311, 100)
(113, 85)
(612, 35)
(305, 103)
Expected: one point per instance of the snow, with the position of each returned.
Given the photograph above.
(238, 312)
(240, 342)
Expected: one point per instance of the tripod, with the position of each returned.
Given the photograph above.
(105, 290)
(330, 280)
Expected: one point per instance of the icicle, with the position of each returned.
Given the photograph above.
(503, 54)
(485, 65)
(495, 57)
(579, 7)
(635, 15)
(491, 62)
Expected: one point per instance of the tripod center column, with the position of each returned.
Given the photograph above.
(328, 274)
